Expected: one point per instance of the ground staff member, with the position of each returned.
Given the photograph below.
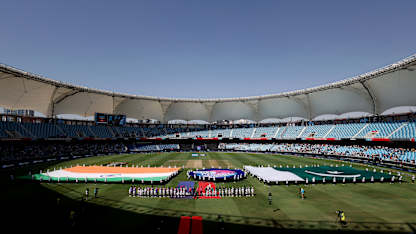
(342, 218)
(302, 193)
(87, 193)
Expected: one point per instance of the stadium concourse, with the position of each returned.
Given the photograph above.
(398, 127)
(35, 152)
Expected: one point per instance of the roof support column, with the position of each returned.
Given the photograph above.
(255, 105)
(60, 98)
(308, 106)
(51, 111)
(165, 106)
(209, 106)
(372, 97)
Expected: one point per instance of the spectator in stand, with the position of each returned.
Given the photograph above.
(371, 152)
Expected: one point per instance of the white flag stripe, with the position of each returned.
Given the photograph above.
(273, 175)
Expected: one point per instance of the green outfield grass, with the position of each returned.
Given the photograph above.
(374, 207)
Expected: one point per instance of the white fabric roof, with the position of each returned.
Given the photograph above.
(373, 92)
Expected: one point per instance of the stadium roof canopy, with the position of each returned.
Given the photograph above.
(373, 92)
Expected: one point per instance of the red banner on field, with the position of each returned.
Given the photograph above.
(196, 227)
(184, 225)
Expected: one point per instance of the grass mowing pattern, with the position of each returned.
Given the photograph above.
(378, 207)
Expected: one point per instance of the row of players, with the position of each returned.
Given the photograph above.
(183, 192)
(228, 192)
(158, 192)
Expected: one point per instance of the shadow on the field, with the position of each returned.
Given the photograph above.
(248, 224)
(31, 206)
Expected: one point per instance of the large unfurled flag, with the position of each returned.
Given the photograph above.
(203, 188)
(189, 186)
(108, 174)
(313, 174)
(271, 174)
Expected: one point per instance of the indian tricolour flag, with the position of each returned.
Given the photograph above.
(108, 174)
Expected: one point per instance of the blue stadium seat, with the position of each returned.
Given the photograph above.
(316, 131)
(406, 132)
(268, 132)
(292, 132)
(378, 130)
(345, 130)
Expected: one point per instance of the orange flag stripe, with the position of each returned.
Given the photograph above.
(125, 170)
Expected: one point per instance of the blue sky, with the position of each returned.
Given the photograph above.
(204, 49)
